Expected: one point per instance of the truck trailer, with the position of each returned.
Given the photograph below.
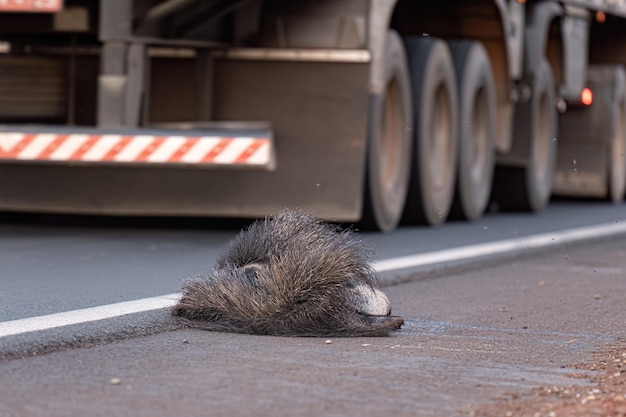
(374, 111)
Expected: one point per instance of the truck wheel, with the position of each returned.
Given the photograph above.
(435, 131)
(528, 188)
(477, 113)
(389, 143)
(617, 164)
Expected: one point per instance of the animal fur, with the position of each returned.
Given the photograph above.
(290, 275)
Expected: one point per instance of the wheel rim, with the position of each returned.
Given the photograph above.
(480, 120)
(441, 141)
(390, 137)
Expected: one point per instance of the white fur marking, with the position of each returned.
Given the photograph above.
(371, 301)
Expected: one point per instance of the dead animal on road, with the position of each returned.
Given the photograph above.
(290, 275)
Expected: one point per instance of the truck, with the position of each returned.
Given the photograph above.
(380, 112)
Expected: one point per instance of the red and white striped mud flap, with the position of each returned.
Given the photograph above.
(191, 149)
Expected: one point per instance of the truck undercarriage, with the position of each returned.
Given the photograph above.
(343, 108)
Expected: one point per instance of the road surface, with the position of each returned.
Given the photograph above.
(476, 342)
(61, 265)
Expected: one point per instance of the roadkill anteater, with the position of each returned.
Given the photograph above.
(291, 275)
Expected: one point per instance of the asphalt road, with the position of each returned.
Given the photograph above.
(471, 338)
(52, 264)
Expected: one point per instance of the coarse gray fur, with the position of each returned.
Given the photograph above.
(291, 275)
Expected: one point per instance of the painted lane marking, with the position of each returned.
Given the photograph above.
(538, 241)
(85, 315)
(543, 240)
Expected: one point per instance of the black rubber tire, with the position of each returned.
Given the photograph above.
(477, 114)
(617, 153)
(389, 143)
(435, 131)
(528, 187)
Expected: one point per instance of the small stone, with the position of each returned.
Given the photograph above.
(617, 374)
(542, 283)
(115, 381)
(509, 414)
(366, 344)
(328, 341)
(588, 398)
(597, 297)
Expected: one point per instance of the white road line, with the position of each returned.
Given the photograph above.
(544, 240)
(85, 315)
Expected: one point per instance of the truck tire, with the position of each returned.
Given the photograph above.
(477, 113)
(617, 152)
(528, 187)
(435, 131)
(389, 143)
(617, 147)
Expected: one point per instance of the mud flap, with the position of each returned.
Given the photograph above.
(581, 170)
(586, 136)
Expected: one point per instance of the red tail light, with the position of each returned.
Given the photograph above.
(586, 96)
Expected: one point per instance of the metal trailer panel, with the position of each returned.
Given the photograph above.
(319, 114)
